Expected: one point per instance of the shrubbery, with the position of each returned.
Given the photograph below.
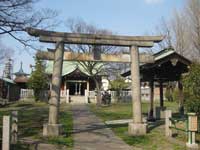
(191, 83)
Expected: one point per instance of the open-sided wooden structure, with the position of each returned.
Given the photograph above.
(168, 66)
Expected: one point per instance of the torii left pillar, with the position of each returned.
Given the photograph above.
(137, 127)
(53, 128)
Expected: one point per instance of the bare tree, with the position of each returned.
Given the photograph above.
(193, 15)
(16, 15)
(94, 69)
(165, 29)
(180, 33)
(5, 52)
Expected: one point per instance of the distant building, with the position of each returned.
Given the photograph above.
(21, 78)
(9, 91)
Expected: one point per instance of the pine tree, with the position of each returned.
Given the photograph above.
(38, 80)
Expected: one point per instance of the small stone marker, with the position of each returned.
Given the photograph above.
(6, 133)
(192, 128)
(168, 115)
(14, 127)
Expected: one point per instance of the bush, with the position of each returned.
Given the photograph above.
(191, 83)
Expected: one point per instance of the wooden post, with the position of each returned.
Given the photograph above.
(181, 97)
(150, 115)
(6, 133)
(67, 96)
(53, 128)
(14, 127)
(86, 96)
(161, 94)
(137, 127)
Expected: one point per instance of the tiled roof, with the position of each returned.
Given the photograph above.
(163, 53)
(68, 67)
(21, 79)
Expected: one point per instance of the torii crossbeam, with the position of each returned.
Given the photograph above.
(137, 127)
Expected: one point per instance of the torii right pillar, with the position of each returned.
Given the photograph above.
(137, 127)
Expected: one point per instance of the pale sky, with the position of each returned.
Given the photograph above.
(125, 17)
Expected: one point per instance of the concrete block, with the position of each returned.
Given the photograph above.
(14, 127)
(168, 115)
(52, 129)
(192, 146)
(6, 133)
(137, 129)
(159, 112)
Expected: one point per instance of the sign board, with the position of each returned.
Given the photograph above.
(193, 124)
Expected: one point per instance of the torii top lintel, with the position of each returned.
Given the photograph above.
(93, 39)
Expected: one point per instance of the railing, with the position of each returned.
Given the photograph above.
(26, 93)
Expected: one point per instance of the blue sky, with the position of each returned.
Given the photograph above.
(126, 17)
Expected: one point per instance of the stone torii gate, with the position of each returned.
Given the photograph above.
(53, 128)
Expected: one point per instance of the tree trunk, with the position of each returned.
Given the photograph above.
(98, 88)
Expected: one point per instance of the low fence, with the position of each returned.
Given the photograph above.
(190, 127)
(26, 93)
(29, 93)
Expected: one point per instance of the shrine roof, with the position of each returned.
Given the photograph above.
(68, 67)
(168, 65)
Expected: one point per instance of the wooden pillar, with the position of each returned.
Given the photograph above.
(150, 115)
(52, 128)
(76, 89)
(181, 98)
(88, 86)
(79, 92)
(161, 94)
(137, 127)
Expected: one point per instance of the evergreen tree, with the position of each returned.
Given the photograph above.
(191, 84)
(38, 80)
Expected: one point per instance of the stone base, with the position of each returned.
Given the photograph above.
(137, 129)
(52, 129)
(192, 146)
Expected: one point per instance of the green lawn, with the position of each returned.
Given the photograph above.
(154, 140)
(32, 116)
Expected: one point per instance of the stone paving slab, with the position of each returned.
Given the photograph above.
(90, 133)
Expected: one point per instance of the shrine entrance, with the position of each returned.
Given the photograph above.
(77, 87)
(53, 128)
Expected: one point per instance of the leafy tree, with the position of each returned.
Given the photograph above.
(191, 83)
(38, 80)
(118, 85)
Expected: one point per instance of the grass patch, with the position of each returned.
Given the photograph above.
(32, 116)
(154, 140)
